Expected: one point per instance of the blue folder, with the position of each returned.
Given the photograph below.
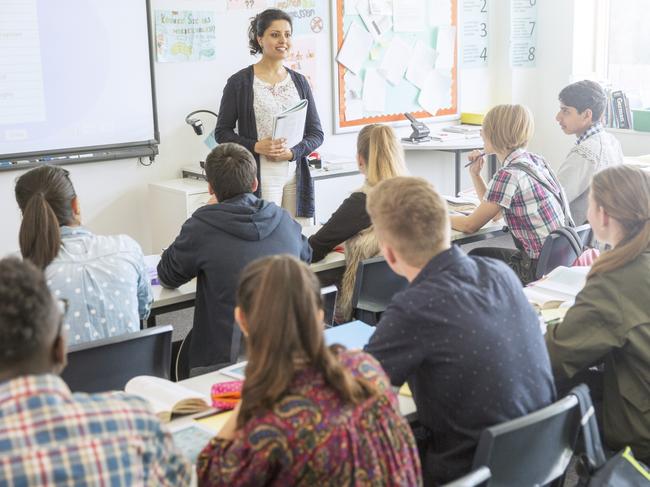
(353, 335)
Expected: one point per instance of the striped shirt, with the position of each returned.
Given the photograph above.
(530, 210)
(49, 436)
(593, 130)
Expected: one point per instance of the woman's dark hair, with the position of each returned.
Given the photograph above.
(280, 298)
(260, 23)
(44, 196)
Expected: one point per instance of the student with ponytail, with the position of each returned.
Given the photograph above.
(380, 156)
(102, 278)
(310, 414)
(609, 323)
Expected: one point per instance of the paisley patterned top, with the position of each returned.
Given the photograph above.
(313, 438)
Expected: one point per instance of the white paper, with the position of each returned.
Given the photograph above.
(374, 91)
(353, 109)
(474, 33)
(439, 12)
(395, 61)
(372, 22)
(353, 86)
(445, 47)
(381, 7)
(290, 124)
(523, 33)
(423, 60)
(355, 49)
(350, 7)
(436, 93)
(409, 15)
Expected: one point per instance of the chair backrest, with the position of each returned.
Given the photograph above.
(108, 364)
(476, 478)
(532, 450)
(375, 285)
(329, 294)
(182, 361)
(562, 247)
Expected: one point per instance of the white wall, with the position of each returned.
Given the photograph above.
(114, 194)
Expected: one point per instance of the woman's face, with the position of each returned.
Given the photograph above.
(276, 40)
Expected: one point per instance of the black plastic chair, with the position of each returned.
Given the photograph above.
(562, 247)
(476, 478)
(534, 449)
(108, 364)
(374, 287)
(329, 294)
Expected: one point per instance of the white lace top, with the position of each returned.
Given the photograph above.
(269, 100)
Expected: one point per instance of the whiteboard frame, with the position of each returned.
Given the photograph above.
(336, 120)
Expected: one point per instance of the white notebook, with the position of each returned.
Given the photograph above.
(290, 124)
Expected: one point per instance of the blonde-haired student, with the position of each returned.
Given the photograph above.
(380, 156)
(525, 189)
(610, 321)
(310, 414)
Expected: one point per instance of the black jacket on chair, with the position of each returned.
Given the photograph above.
(214, 245)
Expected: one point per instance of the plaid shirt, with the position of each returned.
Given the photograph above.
(49, 436)
(530, 210)
(593, 130)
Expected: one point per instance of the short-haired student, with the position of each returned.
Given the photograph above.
(216, 243)
(609, 323)
(582, 105)
(379, 156)
(525, 189)
(103, 278)
(251, 99)
(49, 436)
(310, 414)
(462, 334)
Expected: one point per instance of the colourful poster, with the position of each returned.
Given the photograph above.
(246, 4)
(303, 58)
(185, 35)
(308, 16)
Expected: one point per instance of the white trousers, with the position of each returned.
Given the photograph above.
(279, 186)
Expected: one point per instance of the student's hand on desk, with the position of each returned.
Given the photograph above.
(270, 147)
(477, 159)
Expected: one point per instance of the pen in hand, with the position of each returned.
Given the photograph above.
(472, 162)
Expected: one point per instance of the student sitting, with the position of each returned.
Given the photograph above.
(310, 414)
(50, 436)
(610, 321)
(379, 156)
(217, 242)
(581, 108)
(462, 334)
(525, 189)
(103, 279)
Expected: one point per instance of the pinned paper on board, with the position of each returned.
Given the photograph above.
(355, 49)
(395, 60)
(381, 7)
(374, 91)
(377, 25)
(245, 4)
(185, 35)
(422, 61)
(307, 16)
(353, 109)
(436, 93)
(409, 15)
(445, 47)
(353, 86)
(439, 12)
(302, 57)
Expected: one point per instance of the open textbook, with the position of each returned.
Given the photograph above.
(558, 288)
(167, 398)
(290, 124)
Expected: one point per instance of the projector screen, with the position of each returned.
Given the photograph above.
(76, 81)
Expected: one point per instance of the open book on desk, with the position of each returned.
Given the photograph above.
(167, 398)
(290, 124)
(558, 289)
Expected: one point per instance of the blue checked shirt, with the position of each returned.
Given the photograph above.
(593, 130)
(49, 436)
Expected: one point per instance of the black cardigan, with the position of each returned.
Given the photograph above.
(237, 109)
(348, 220)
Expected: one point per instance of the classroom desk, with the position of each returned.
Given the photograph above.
(457, 147)
(168, 300)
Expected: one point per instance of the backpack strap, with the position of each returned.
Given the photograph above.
(568, 221)
(572, 236)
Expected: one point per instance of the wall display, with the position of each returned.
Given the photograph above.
(393, 56)
(474, 34)
(523, 33)
(185, 35)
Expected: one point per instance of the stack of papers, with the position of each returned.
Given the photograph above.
(557, 289)
(463, 129)
(290, 124)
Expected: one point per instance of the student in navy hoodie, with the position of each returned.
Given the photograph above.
(217, 242)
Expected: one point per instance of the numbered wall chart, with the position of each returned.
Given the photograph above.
(474, 32)
(523, 33)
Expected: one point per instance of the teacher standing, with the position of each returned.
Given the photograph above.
(253, 96)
